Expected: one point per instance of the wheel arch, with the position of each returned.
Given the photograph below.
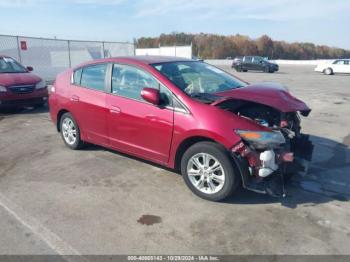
(59, 115)
(187, 143)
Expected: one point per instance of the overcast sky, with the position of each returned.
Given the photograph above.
(318, 21)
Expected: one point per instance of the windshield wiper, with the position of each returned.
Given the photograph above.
(206, 98)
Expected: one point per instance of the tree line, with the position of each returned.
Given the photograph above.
(214, 46)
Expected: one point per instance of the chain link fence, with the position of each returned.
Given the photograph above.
(49, 57)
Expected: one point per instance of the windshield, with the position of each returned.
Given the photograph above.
(198, 77)
(9, 65)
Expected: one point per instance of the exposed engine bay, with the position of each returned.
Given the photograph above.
(266, 162)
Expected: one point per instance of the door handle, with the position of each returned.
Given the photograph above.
(74, 98)
(114, 110)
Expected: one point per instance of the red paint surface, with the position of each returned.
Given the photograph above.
(153, 133)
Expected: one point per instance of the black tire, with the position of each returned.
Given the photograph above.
(245, 70)
(232, 177)
(328, 71)
(78, 144)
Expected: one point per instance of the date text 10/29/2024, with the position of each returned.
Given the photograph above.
(173, 258)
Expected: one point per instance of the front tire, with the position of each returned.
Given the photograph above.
(209, 172)
(70, 132)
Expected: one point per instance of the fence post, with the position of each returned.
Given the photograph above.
(103, 49)
(69, 58)
(191, 51)
(19, 50)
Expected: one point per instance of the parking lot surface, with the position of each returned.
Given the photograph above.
(95, 201)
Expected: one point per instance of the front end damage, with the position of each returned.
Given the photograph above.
(267, 159)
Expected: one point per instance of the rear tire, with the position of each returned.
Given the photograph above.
(245, 70)
(328, 71)
(209, 171)
(70, 132)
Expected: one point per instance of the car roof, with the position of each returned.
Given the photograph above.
(157, 59)
(147, 60)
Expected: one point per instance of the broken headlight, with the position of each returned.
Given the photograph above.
(262, 139)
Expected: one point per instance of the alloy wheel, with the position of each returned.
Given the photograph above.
(206, 173)
(69, 131)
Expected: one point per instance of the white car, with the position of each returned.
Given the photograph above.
(333, 67)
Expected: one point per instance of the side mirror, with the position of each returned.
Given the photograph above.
(150, 95)
(30, 68)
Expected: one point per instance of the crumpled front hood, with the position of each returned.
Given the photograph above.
(270, 94)
(10, 79)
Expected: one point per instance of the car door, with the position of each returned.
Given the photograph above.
(248, 63)
(347, 66)
(339, 66)
(136, 126)
(257, 64)
(88, 102)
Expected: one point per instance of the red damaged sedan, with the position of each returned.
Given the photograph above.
(219, 131)
(18, 86)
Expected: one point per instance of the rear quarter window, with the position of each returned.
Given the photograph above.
(77, 76)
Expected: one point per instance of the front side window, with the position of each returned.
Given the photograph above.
(258, 59)
(197, 77)
(128, 81)
(9, 65)
(93, 76)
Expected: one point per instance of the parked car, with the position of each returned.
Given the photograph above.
(18, 86)
(219, 131)
(334, 67)
(254, 63)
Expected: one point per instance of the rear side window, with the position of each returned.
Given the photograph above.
(248, 59)
(94, 77)
(339, 62)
